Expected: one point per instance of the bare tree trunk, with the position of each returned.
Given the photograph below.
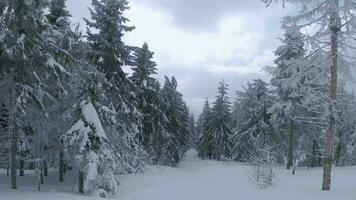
(38, 178)
(45, 170)
(290, 145)
(14, 138)
(329, 133)
(41, 172)
(315, 155)
(81, 182)
(22, 167)
(61, 166)
(13, 164)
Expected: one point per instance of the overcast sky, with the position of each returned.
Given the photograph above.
(202, 42)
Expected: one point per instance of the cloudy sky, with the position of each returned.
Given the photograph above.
(202, 42)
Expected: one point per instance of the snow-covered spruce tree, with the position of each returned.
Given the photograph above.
(219, 130)
(28, 68)
(204, 139)
(255, 137)
(109, 53)
(332, 22)
(70, 52)
(193, 135)
(87, 142)
(289, 55)
(143, 68)
(154, 134)
(178, 115)
(345, 126)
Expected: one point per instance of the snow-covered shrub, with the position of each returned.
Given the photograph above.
(262, 174)
(86, 142)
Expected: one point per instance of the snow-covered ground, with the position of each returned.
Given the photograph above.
(195, 179)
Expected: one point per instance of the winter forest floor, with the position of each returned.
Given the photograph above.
(196, 179)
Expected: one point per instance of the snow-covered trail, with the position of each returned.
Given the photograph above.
(195, 179)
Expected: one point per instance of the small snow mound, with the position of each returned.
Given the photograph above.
(191, 155)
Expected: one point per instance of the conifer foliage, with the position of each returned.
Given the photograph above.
(215, 127)
(74, 96)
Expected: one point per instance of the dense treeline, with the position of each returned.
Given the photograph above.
(67, 103)
(303, 116)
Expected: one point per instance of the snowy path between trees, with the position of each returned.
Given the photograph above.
(196, 179)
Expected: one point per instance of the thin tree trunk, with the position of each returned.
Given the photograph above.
(81, 182)
(14, 139)
(22, 167)
(290, 145)
(61, 166)
(329, 133)
(337, 155)
(45, 170)
(314, 159)
(294, 166)
(38, 178)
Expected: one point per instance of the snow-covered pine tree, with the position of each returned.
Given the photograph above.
(109, 54)
(177, 113)
(332, 22)
(108, 51)
(31, 71)
(193, 135)
(255, 138)
(219, 129)
(345, 126)
(290, 55)
(154, 134)
(70, 51)
(204, 139)
(87, 144)
(143, 68)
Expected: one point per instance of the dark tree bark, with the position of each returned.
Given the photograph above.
(45, 168)
(61, 166)
(22, 168)
(290, 145)
(81, 182)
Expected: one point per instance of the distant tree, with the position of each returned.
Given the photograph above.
(215, 141)
(204, 139)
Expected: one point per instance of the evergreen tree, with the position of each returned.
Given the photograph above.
(58, 14)
(143, 68)
(154, 134)
(193, 134)
(177, 113)
(219, 126)
(204, 139)
(255, 138)
(290, 56)
(108, 51)
(89, 147)
(332, 22)
(216, 130)
(31, 70)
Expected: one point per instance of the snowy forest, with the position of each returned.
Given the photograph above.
(83, 114)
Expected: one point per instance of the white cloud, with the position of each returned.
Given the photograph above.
(231, 41)
(235, 48)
